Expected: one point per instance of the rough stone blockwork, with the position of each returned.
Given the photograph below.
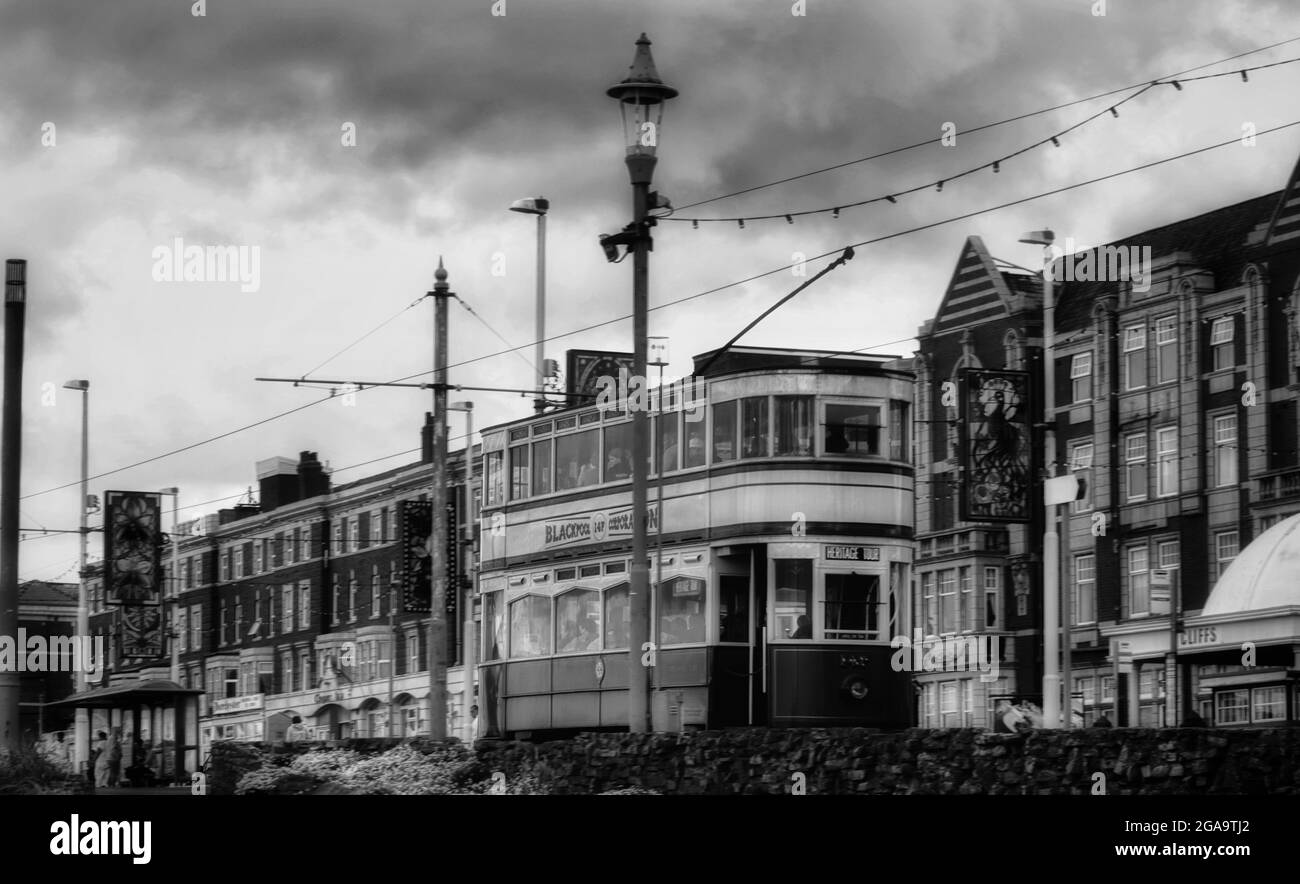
(919, 762)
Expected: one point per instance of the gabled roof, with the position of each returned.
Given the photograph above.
(1285, 223)
(41, 592)
(1217, 240)
(977, 293)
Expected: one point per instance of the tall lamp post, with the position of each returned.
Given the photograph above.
(468, 664)
(81, 726)
(641, 97)
(1051, 537)
(538, 206)
(658, 350)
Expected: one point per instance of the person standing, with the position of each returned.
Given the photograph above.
(109, 763)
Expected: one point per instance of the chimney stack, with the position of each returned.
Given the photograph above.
(312, 481)
(277, 479)
(426, 439)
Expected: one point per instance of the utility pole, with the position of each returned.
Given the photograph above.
(81, 725)
(438, 504)
(11, 454)
(468, 660)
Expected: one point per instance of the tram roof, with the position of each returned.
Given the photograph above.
(738, 359)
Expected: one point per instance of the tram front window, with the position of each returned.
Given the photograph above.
(724, 432)
(618, 618)
(753, 425)
(577, 621)
(853, 430)
(681, 611)
(530, 626)
(794, 598)
(695, 452)
(851, 606)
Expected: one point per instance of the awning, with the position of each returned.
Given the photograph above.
(153, 692)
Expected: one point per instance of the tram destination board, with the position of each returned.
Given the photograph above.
(853, 553)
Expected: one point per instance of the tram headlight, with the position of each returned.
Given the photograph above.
(855, 686)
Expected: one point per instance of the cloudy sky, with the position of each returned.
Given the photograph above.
(228, 129)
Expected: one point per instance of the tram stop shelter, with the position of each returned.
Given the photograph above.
(157, 698)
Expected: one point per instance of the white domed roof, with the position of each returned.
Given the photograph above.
(1265, 575)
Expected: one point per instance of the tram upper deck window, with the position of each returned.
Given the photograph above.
(542, 467)
(753, 427)
(668, 429)
(681, 610)
(794, 598)
(576, 460)
(618, 452)
(577, 621)
(794, 426)
(695, 453)
(519, 474)
(724, 432)
(853, 430)
(618, 618)
(530, 626)
(496, 494)
(852, 606)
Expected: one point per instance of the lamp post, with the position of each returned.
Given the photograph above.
(11, 454)
(1051, 537)
(641, 97)
(467, 654)
(658, 350)
(538, 206)
(81, 725)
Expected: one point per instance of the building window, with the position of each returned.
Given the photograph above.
(239, 620)
(291, 539)
(1222, 346)
(239, 562)
(853, 430)
(947, 601)
(225, 566)
(966, 590)
(1135, 466)
(338, 538)
(352, 596)
(182, 629)
(1232, 707)
(1085, 589)
(376, 588)
(412, 652)
(1139, 581)
(1166, 349)
(1268, 704)
(992, 589)
(377, 527)
(1225, 550)
(929, 608)
(1135, 357)
(948, 714)
(230, 681)
(1081, 454)
(794, 598)
(794, 426)
(1167, 554)
(259, 556)
(1108, 689)
(196, 628)
(337, 605)
(354, 534)
(286, 608)
(1081, 377)
(1167, 461)
(1225, 450)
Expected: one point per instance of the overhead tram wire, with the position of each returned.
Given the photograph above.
(982, 127)
(757, 276)
(366, 335)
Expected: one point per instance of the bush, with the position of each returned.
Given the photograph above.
(277, 781)
(28, 772)
(632, 790)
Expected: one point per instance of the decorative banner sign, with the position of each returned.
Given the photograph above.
(594, 527)
(585, 368)
(140, 632)
(996, 447)
(132, 548)
(417, 556)
(227, 705)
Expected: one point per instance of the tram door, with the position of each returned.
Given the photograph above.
(758, 656)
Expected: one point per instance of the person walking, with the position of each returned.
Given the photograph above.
(109, 763)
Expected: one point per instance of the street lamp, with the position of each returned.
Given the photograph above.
(81, 722)
(538, 206)
(641, 97)
(658, 350)
(1051, 537)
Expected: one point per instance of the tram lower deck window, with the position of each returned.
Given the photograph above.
(794, 598)
(577, 621)
(681, 610)
(530, 626)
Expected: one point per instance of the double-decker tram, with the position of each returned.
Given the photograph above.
(779, 556)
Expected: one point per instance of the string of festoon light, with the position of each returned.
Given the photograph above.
(995, 165)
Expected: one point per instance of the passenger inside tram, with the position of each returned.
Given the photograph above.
(694, 444)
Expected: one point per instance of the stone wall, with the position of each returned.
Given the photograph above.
(1130, 761)
(930, 762)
